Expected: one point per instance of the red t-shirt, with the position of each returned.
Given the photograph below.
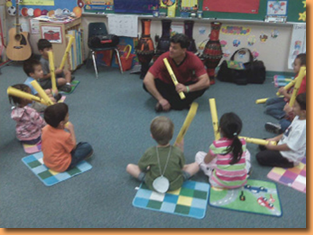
(190, 68)
(57, 145)
(302, 88)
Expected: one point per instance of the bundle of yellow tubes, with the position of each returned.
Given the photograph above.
(44, 98)
(296, 83)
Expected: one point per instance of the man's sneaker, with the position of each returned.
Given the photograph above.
(273, 128)
(65, 88)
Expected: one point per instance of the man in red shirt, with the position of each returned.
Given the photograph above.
(189, 70)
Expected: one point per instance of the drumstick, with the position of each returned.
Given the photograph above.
(214, 118)
(191, 114)
(170, 71)
(257, 141)
(300, 77)
(71, 40)
(52, 71)
(41, 92)
(22, 94)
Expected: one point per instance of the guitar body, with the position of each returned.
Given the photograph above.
(18, 48)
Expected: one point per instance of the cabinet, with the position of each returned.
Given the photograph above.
(59, 41)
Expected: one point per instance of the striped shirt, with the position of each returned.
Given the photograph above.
(226, 175)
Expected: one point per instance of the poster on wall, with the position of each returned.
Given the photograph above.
(238, 6)
(38, 2)
(52, 33)
(123, 25)
(277, 8)
(136, 6)
(298, 43)
(98, 6)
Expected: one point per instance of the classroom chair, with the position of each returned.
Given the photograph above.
(99, 29)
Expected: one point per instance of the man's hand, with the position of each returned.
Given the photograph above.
(181, 88)
(165, 104)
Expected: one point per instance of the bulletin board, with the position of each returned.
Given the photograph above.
(295, 8)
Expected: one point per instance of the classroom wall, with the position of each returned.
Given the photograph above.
(274, 52)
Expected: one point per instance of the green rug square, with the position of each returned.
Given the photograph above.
(257, 196)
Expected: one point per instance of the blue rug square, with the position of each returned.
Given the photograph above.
(35, 163)
(178, 202)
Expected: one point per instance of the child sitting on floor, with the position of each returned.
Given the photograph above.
(63, 76)
(291, 147)
(60, 151)
(228, 161)
(28, 120)
(33, 70)
(275, 106)
(163, 159)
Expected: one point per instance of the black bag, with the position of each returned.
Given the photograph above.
(253, 71)
(103, 41)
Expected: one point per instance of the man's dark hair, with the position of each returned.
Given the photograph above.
(43, 43)
(56, 113)
(29, 66)
(182, 39)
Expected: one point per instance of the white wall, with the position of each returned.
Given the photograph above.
(274, 52)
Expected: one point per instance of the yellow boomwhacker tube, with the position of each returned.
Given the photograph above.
(214, 118)
(191, 114)
(301, 75)
(41, 92)
(293, 82)
(22, 94)
(257, 141)
(170, 71)
(261, 101)
(71, 40)
(52, 71)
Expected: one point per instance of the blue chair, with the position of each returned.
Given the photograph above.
(99, 29)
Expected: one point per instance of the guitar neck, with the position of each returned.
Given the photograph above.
(17, 18)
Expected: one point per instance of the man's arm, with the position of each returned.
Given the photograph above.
(150, 85)
(202, 83)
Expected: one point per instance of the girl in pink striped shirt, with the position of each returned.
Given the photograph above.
(228, 161)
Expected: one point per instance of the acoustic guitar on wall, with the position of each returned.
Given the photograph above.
(18, 48)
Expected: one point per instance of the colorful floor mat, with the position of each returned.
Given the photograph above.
(260, 197)
(74, 84)
(293, 177)
(48, 177)
(32, 148)
(190, 200)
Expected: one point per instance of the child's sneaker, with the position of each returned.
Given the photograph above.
(65, 88)
(273, 128)
(89, 155)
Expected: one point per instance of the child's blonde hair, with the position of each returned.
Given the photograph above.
(162, 129)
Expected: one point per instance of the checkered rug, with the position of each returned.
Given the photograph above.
(74, 84)
(293, 177)
(190, 200)
(257, 196)
(48, 177)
